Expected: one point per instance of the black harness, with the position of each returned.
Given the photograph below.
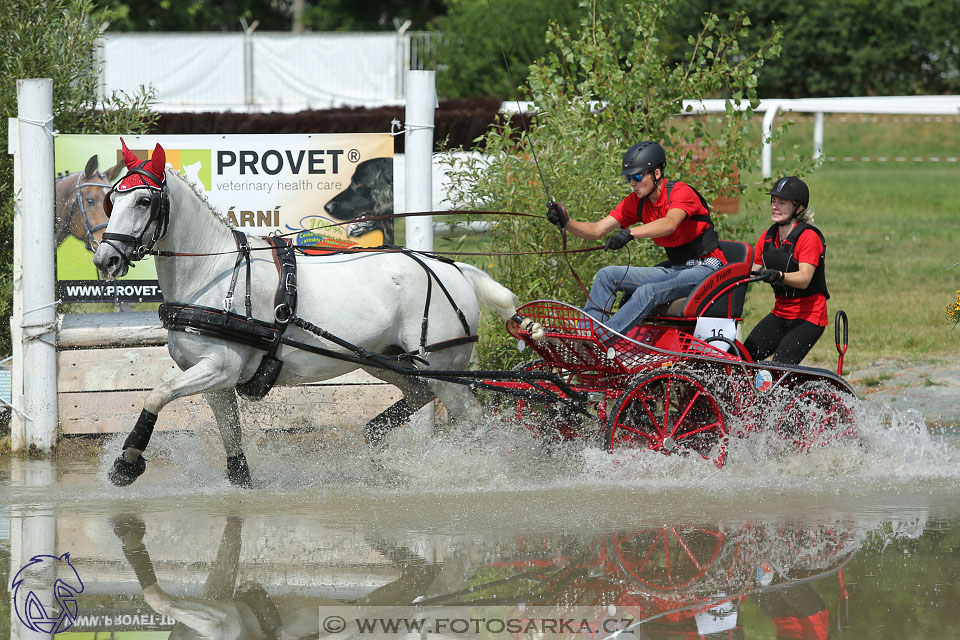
(702, 245)
(245, 329)
(268, 336)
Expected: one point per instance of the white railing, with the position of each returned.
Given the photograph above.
(892, 105)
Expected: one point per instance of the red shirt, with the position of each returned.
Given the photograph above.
(681, 197)
(813, 308)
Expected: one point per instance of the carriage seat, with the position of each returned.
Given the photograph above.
(739, 257)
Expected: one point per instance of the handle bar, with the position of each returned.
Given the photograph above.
(840, 320)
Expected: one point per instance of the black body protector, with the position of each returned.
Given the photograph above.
(781, 258)
(702, 245)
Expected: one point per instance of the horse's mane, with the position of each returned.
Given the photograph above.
(201, 196)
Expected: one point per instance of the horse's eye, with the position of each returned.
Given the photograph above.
(90, 201)
(143, 201)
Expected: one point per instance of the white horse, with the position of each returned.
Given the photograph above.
(376, 301)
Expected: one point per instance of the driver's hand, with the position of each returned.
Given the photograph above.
(618, 240)
(557, 214)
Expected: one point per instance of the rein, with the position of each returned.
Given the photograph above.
(412, 214)
(140, 254)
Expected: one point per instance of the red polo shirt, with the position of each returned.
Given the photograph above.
(681, 197)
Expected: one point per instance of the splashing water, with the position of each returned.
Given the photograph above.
(894, 447)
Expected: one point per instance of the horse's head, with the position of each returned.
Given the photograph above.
(79, 203)
(138, 210)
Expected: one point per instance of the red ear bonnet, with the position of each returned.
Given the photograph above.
(154, 166)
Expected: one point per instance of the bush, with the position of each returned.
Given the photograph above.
(578, 142)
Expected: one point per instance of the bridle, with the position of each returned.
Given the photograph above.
(159, 215)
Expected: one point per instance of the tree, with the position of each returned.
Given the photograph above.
(54, 39)
(199, 15)
(272, 15)
(370, 15)
(600, 90)
(470, 60)
(857, 47)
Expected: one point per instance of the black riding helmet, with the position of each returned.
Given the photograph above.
(792, 188)
(643, 156)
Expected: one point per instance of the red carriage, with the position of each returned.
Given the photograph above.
(681, 382)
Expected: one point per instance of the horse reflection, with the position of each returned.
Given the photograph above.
(227, 611)
(79, 203)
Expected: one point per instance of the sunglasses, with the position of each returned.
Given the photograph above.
(637, 177)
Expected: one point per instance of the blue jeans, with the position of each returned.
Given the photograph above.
(646, 286)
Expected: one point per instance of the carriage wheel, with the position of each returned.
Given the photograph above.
(818, 543)
(672, 412)
(817, 415)
(553, 420)
(670, 558)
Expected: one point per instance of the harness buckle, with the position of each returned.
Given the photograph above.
(282, 313)
(291, 282)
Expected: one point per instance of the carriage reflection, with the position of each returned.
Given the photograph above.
(686, 580)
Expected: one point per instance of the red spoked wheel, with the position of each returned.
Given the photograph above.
(671, 412)
(670, 558)
(817, 415)
(553, 420)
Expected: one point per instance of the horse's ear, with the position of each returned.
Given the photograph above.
(158, 161)
(129, 158)
(114, 171)
(91, 169)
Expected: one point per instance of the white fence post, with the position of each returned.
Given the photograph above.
(418, 173)
(18, 422)
(418, 156)
(39, 313)
(766, 154)
(817, 135)
(33, 532)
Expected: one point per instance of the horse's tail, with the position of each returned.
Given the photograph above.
(493, 295)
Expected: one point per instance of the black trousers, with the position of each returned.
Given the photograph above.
(788, 340)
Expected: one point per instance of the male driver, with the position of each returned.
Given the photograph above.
(674, 215)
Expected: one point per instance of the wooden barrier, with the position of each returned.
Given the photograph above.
(101, 390)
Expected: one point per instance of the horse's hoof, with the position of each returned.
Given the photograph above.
(124, 473)
(238, 473)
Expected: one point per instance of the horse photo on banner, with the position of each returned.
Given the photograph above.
(308, 186)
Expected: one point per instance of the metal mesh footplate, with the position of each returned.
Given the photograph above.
(579, 343)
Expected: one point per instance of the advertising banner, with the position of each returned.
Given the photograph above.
(307, 185)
